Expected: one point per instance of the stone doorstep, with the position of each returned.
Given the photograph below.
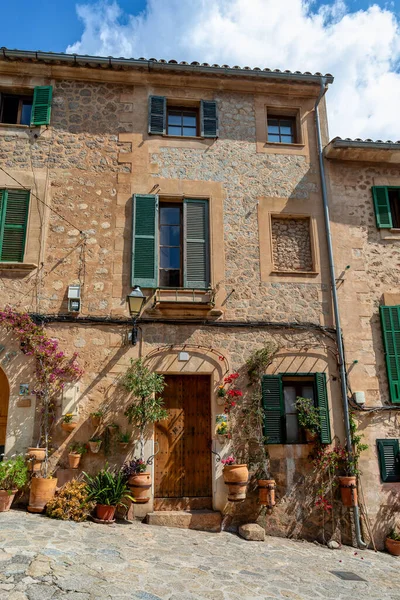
(201, 520)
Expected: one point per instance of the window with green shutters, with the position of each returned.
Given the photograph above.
(390, 320)
(182, 120)
(170, 245)
(14, 207)
(387, 206)
(389, 459)
(41, 107)
(279, 394)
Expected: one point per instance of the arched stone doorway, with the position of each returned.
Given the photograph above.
(4, 401)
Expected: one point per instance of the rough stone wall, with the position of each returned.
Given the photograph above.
(374, 265)
(291, 244)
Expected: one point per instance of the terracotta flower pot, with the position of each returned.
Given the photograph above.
(140, 484)
(266, 492)
(6, 499)
(123, 445)
(38, 454)
(348, 490)
(96, 421)
(42, 490)
(311, 437)
(68, 426)
(236, 477)
(94, 446)
(74, 459)
(105, 512)
(393, 546)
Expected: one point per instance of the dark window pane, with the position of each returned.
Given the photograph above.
(170, 258)
(174, 130)
(170, 278)
(273, 138)
(189, 131)
(170, 236)
(10, 109)
(174, 119)
(170, 215)
(273, 122)
(26, 114)
(189, 120)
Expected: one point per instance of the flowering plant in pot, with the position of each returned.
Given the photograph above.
(13, 477)
(392, 542)
(138, 478)
(96, 418)
(95, 444)
(108, 489)
(236, 477)
(309, 417)
(67, 423)
(76, 451)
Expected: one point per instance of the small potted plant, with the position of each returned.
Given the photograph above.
(76, 451)
(138, 479)
(95, 444)
(96, 418)
(222, 429)
(67, 423)
(108, 489)
(309, 418)
(13, 476)
(236, 478)
(123, 440)
(392, 542)
(113, 428)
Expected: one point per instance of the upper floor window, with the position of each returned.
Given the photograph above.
(14, 206)
(168, 118)
(281, 129)
(387, 206)
(170, 243)
(27, 109)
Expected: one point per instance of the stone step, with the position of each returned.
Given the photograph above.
(202, 520)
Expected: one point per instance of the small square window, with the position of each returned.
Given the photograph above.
(182, 122)
(15, 109)
(281, 129)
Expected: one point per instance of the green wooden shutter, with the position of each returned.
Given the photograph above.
(274, 409)
(157, 115)
(196, 244)
(383, 214)
(14, 218)
(41, 107)
(323, 406)
(209, 119)
(390, 319)
(389, 459)
(145, 241)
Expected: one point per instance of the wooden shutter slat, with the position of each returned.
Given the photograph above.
(323, 406)
(383, 214)
(145, 241)
(389, 459)
(209, 119)
(274, 409)
(13, 224)
(157, 115)
(41, 106)
(390, 319)
(196, 244)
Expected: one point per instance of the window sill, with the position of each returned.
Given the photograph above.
(291, 273)
(390, 234)
(185, 137)
(285, 145)
(14, 266)
(192, 299)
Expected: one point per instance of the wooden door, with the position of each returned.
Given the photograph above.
(4, 398)
(183, 463)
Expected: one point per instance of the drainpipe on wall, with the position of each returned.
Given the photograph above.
(339, 339)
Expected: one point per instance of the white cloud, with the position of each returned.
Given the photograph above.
(361, 49)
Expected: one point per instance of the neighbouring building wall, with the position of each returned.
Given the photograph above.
(372, 256)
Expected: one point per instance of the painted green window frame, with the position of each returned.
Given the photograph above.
(390, 321)
(274, 426)
(157, 117)
(389, 459)
(6, 221)
(41, 105)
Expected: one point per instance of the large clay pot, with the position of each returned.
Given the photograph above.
(6, 499)
(140, 484)
(74, 459)
(68, 426)
(35, 458)
(42, 490)
(266, 492)
(236, 477)
(104, 512)
(95, 446)
(393, 546)
(348, 490)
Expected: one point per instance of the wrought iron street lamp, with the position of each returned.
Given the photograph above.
(136, 301)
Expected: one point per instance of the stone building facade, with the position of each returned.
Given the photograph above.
(267, 283)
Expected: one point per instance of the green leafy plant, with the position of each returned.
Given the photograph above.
(258, 362)
(107, 487)
(71, 503)
(97, 413)
(124, 438)
(308, 415)
(394, 535)
(147, 405)
(358, 446)
(95, 438)
(67, 418)
(78, 448)
(132, 467)
(13, 474)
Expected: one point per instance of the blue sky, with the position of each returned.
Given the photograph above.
(56, 25)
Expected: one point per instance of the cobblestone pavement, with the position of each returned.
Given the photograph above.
(43, 559)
